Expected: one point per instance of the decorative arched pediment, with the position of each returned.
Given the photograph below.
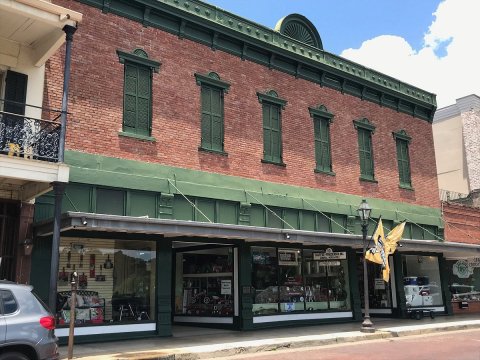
(298, 27)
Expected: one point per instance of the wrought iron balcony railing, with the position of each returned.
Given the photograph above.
(29, 137)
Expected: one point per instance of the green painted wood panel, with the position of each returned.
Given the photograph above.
(205, 209)
(324, 223)
(291, 216)
(77, 198)
(274, 218)
(307, 221)
(182, 210)
(417, 232)
(142, 203)
(44, 207)
(257, 215)
(227, 212)
(110, 201)
(272, 136)
(339, 223)
(429, 233)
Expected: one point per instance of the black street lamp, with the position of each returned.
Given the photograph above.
(364, 211)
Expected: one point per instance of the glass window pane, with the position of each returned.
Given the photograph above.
(291, 289)
(9, 303)
(265, 280)
(116, 282)
(422, 281)
(204, 282)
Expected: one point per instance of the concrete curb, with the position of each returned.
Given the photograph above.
(227, 349)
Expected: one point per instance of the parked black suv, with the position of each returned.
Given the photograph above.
(26, 325)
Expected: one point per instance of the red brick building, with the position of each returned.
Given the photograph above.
(219, 164)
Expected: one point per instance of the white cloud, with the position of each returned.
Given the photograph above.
(447, 63)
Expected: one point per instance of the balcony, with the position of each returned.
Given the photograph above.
(29, 152)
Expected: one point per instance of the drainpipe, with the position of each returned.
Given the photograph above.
(59, 187)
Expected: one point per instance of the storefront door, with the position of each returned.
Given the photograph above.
(379, 291)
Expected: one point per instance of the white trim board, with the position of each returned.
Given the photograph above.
(203, 319)
(293, 317)
(109, 329)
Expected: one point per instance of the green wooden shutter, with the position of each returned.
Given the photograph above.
(267, 139)
(276, 134)
(15, 91)
(403, 162)
(137, 99)
(272, 133)
(206, 118)
(217, 119)
(322, 144)
(212, 118)
(143, 100)
(15, 98)
(365, 153)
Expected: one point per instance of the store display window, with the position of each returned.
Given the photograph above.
(265, 280)
(204, 282)
(421, 281)
(295, 280)
(326, 280)
(116, 281)
(464, 279)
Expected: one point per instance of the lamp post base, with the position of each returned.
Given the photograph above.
(367, 325)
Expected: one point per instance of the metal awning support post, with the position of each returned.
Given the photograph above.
(58, 187)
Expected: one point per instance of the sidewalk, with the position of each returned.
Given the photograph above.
(188, 343)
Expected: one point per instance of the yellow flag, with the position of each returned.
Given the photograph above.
(375, 254)
(391, 243)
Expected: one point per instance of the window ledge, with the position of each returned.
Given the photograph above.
(326, 172)
(218, 152)
(362, 178)
(136, 136)
(406, 187)
(274, 163)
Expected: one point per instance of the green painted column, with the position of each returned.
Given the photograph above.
(164, 287)
(400, 294)
(245, 286)
(446, 294)
(353, 277)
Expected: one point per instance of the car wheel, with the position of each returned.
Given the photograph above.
(13, 356)
(418, 315)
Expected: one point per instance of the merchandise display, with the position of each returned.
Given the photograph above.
(207, 283)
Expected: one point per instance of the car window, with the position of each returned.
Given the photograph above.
(9, 303)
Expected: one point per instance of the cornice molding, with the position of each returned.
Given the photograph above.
(213, 26)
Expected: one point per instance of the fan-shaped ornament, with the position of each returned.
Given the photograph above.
(298, 27)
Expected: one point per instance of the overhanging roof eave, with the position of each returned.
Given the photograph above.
(172, 228)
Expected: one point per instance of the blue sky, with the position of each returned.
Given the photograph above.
(432, 44)
(344, 24)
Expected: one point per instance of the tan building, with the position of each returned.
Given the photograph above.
(456, 131)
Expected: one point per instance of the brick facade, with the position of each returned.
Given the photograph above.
(462, 223)
(96, 104)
